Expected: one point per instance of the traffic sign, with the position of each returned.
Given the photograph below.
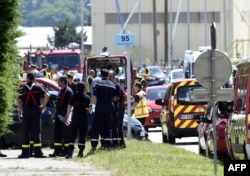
(205, 95)
(125, 39)
(222, 70)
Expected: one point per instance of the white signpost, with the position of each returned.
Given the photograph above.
(212, 70)
(127, 40)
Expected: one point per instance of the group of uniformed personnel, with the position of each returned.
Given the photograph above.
(107, 96)
(74, 105)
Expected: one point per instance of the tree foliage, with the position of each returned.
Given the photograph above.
(65, 33)
(9, 21)
(51, 12)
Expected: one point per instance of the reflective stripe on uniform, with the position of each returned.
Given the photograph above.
(38, 145)
(25, 146)
(141, 109)
(30, 95)
(58, 144)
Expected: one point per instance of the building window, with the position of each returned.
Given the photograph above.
(147, 18)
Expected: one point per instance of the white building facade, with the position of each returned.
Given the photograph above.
(189, 31)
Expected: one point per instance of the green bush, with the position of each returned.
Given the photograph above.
(9, 60)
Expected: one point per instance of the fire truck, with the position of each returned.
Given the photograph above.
(55, 58)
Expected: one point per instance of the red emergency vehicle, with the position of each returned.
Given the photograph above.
(55, 58)
(116, 62)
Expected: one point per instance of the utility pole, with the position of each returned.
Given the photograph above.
(166, 33)
(155, 34)
(82, 38)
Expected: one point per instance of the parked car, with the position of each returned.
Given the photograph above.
(205, 130)
(157, 76)
(179, 110)
(153, 93)
(175, 74)
(137, 129)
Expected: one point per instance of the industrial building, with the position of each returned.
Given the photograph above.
(188, 27)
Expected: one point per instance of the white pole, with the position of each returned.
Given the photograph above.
(82, 25)
(129, 92)
(139, 12)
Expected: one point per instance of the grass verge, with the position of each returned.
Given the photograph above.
(143, 158)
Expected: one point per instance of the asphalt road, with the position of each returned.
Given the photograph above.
(188, 143)
(12, 166)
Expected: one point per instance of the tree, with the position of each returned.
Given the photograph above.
(9, 21)
(65, 33)
(51, 12)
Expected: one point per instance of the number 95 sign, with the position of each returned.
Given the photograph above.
(125, 39)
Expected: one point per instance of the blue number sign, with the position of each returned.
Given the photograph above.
(125, 39)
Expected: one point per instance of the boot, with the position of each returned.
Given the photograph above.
(70, 153)
(80, 153)
(57, 152)
(25, 153)
(31, 148)
(65, 151)
(2, 155)
(38, 153)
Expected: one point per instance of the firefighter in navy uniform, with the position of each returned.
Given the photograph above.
(29, 112)
(61, 131)
(79, 122)
(103, 95)
(115, 134)
(121, 112)
(71, 83)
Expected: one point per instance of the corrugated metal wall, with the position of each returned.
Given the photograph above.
(106, 25)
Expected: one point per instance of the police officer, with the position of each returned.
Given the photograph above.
(140, 104)
(29, 111)
(61, 131)
(79, 122)
(115, 135)
(103, 94)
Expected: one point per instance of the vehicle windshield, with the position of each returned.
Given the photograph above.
(185, 94)
(60, 61)
(178, 74)
(154, 94)
(116, 63)
(156, 71)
